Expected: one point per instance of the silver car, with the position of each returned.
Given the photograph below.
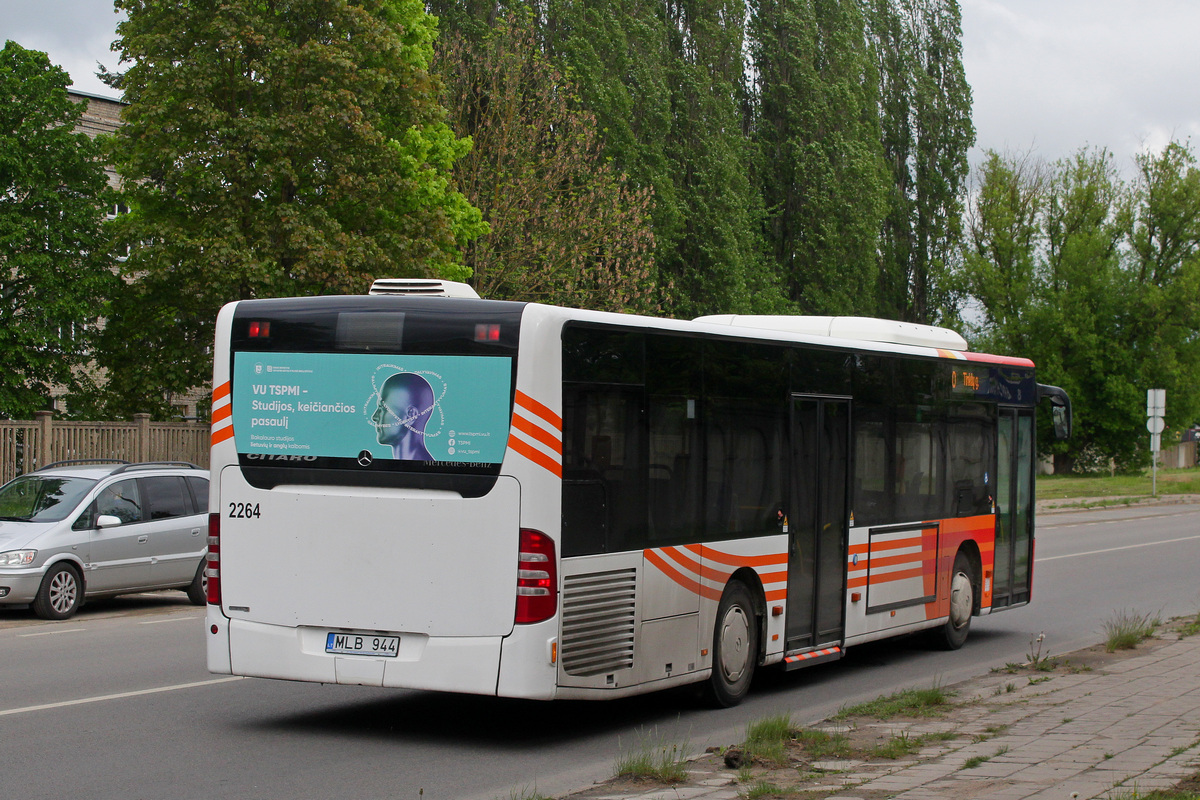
(79, 529)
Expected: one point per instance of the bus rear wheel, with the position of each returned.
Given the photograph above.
(953, 634)
(735, 647)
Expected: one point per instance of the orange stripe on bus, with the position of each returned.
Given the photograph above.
(221, 391)
(687, 583)
(898, 544)
(730, 560)
(775, 594)
(535, 455)
(529, 404)
(682, 559)
(221, 413)
(532, 429)
(701, 569)
(891, 561)
(222, 435)
(889, 577)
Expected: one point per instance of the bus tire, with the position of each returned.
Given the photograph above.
(61, 593)
(734, 649)
(953, 634)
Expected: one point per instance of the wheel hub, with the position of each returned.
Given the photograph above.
(962, 599)
(735, 644)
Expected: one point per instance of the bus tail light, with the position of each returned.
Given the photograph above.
(537, 578)
(213, 569)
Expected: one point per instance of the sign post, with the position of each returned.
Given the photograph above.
(1156, 406)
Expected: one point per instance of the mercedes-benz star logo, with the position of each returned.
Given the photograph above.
(365, 458)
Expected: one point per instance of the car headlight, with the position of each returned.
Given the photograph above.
(17, 558)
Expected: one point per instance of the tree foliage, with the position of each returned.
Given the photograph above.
(667, 83)
(817, 127)
(925, 119)
(271, 148)
(565, 227)
(1096, 280)
(54, 268)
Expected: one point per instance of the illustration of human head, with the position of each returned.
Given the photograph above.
(405, 403)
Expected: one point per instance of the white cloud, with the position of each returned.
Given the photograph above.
(1057, 76)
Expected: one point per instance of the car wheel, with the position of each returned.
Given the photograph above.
(197, 590)
(61, 593)
(953, 634)
(735, 647)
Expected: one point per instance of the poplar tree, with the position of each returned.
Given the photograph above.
(926, 131)
(823, 179)
(666, 81)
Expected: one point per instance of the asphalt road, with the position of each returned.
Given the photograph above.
(116, 703)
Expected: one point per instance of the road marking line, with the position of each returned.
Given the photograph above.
(50, 633)
(172, 619)
(117, 696)
(1115, 549)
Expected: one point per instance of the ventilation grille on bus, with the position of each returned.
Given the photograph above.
(598, 621)
(421, 287)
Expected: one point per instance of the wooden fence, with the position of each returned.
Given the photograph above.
(26, 445)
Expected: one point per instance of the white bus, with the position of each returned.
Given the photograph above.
(530, 501)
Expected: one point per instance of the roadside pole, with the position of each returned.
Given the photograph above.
(1156, 405)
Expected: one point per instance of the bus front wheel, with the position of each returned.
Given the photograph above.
(735, 647)
(953, 634)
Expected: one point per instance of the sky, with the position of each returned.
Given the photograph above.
(1047, 76)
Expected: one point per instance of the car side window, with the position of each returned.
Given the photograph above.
(167, 496)
(199, 487)
(122, 500)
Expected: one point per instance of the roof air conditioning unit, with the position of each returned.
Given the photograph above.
(421, 287)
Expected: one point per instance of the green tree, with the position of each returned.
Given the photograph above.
(271, 149)
(666, 82)
(564, 226)
(1163, 252)
(1096, 280)
(925, 116)
(822, 174)
(55, 273)
(1004, 236)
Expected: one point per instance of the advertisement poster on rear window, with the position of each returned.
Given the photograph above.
(409, 408)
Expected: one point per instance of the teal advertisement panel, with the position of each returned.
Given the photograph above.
(410, 408)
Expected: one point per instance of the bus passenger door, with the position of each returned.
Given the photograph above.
(1014, 508)
(816, 521)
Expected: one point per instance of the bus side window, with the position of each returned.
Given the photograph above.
(603, 497)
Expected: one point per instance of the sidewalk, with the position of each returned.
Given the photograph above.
(1095, 726)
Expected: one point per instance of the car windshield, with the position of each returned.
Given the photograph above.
(41, 498)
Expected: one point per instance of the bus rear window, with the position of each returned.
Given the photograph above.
(385, 393)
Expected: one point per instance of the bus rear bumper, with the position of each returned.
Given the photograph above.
(459, 664)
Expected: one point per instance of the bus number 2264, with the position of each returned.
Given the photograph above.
(244, 511)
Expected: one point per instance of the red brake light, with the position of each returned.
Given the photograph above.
(537, 578)
(259, 330)
(213, 569)
(487, 332)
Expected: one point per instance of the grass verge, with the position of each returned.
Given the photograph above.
(1170, 481)
(1125, 630)
(910, 703)
(653, 757)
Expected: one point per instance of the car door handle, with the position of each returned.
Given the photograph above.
(195, 531)
(143, 539)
